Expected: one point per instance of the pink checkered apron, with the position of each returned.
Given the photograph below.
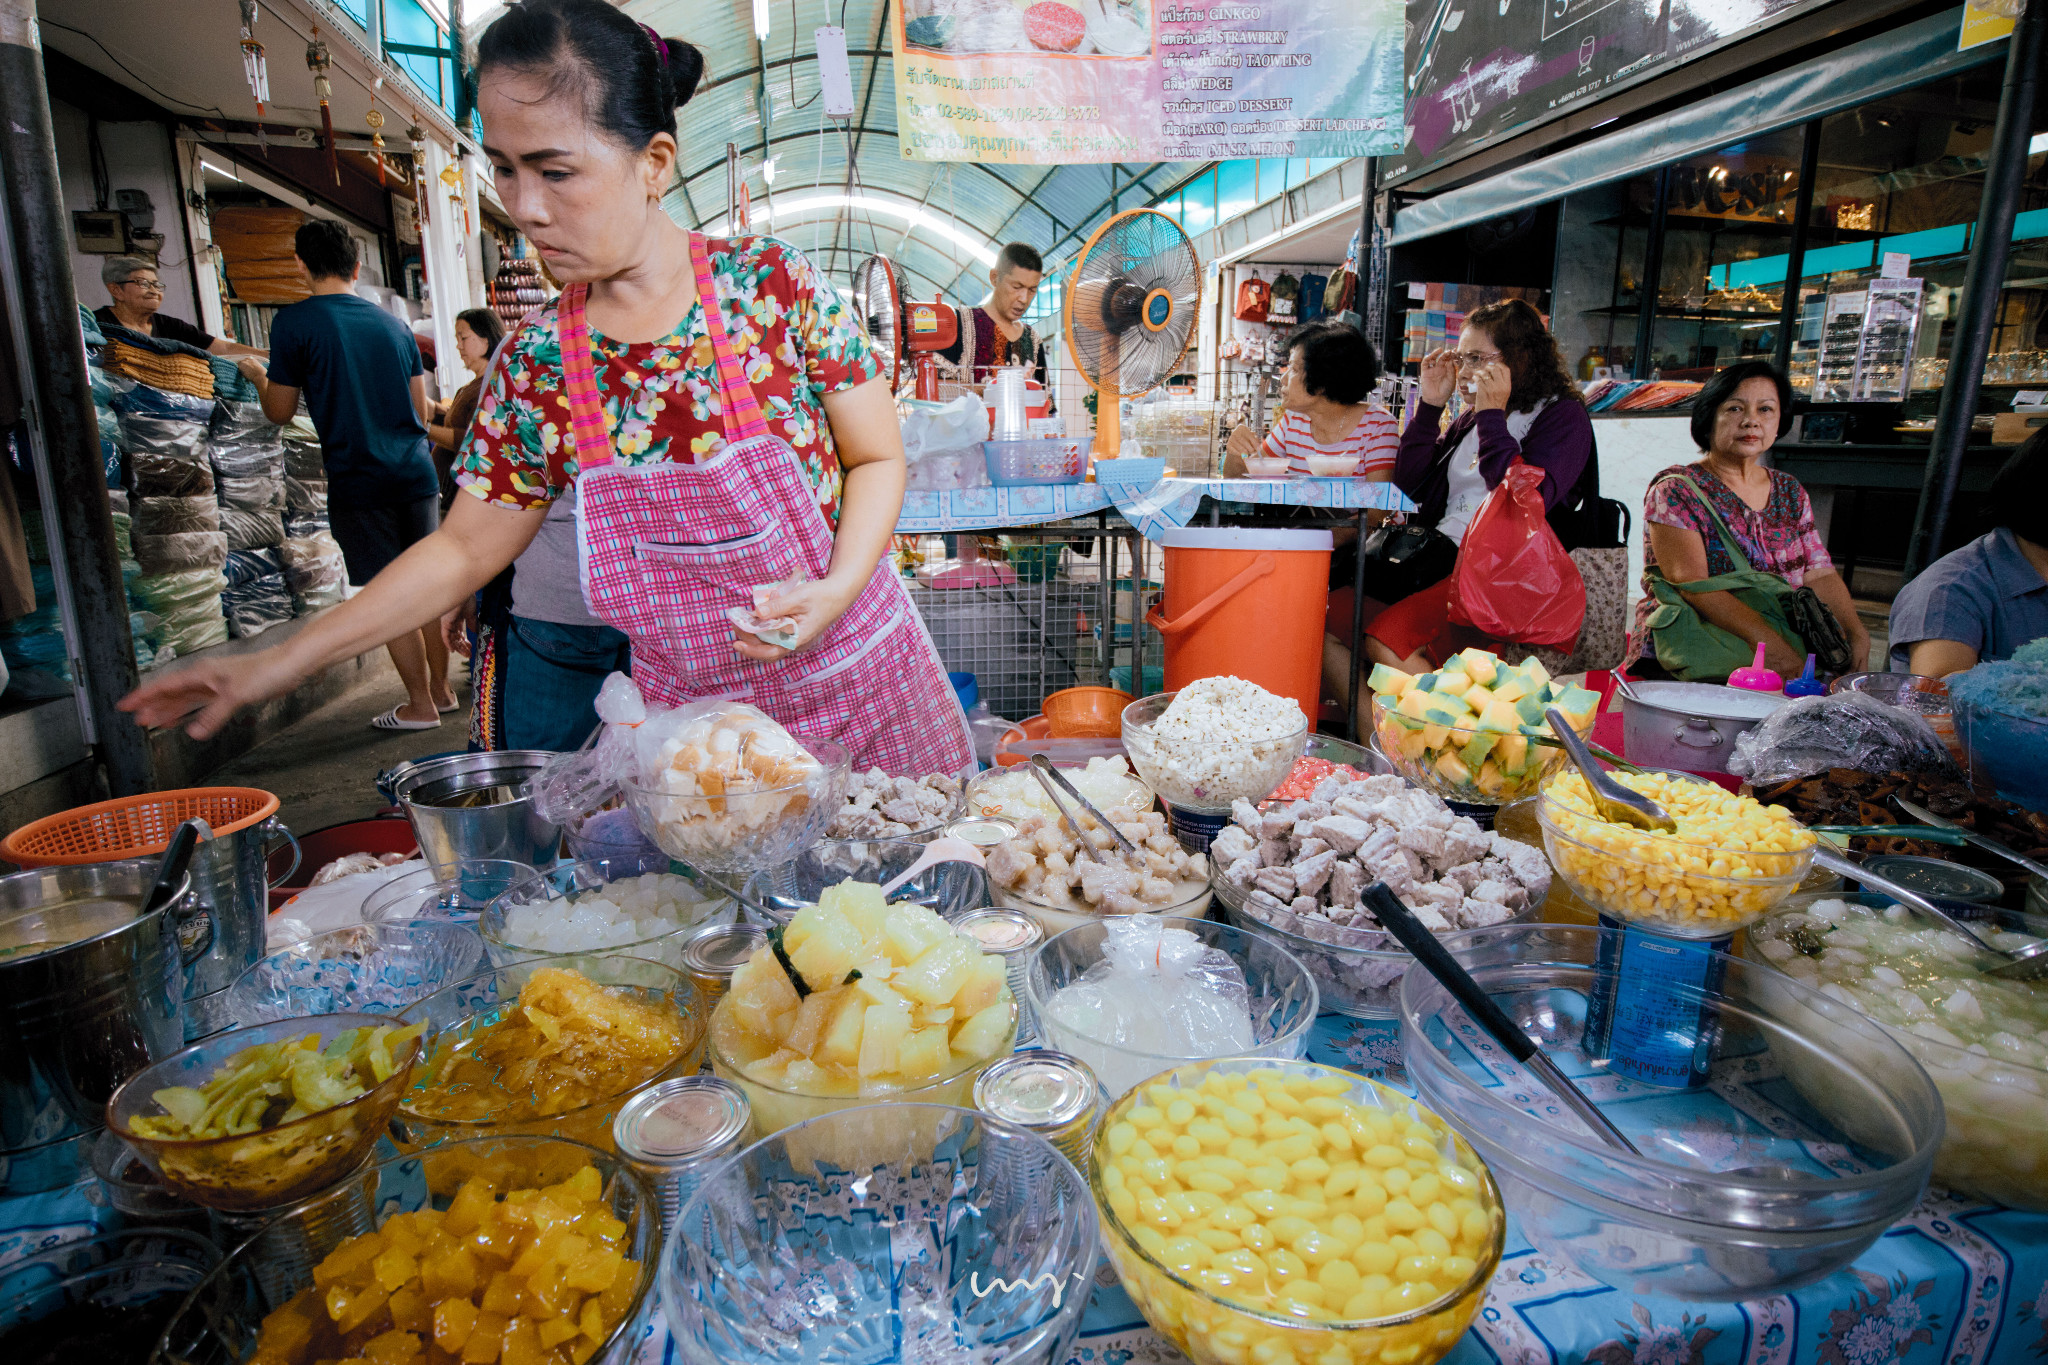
(668, 549)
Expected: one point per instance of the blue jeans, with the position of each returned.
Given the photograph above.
(552, 674)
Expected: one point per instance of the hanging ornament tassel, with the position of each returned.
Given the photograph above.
(317, 62)
(451, 176)
(418, 137)
(375, 118)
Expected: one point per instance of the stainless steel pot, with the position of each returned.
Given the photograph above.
(79, 1019)
(504, 823)
(1689, 726)
(231, 883)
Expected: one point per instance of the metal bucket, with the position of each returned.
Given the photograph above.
(80, 1019)
(231, 882)
(507, 827)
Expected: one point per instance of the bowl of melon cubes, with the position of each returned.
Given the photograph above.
(1474, 730)
(859, 1001)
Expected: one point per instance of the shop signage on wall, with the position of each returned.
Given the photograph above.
(1482, 70)
(1045, 81)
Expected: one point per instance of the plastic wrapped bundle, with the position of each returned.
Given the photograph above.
(251, 530)
(175, 516)
(314, 569)
(304, 498)
(258, 494)
(147, 401)
(172, 474)
(184, 552)
(257, 605)
(246, 566)
(144, 629)
(188, 604)
(302, 458)
(1845, 730)
(245, 443)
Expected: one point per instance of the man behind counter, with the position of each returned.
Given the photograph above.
(137, 292)
(995, 332)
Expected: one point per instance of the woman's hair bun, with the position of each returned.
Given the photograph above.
(685, 68)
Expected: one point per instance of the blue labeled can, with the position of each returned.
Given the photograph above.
(1647, 1017)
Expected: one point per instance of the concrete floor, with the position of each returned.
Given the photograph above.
(324, 767)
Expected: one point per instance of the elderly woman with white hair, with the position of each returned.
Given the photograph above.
(137, 291)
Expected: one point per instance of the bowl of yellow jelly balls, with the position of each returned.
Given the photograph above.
(1731, 860)
(1267, 1212)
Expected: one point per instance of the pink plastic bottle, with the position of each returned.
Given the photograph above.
(1757, 678)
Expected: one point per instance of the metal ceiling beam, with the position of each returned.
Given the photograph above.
(781, 62)
(787, 138)
(1138, 180)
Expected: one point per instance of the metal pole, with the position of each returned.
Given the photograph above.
(1983, 284)
(1653, 273)
(61, 420)
(1372, 264)
(1795, 264)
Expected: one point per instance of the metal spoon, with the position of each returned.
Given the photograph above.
(1611, 801)
(1399, 921)
(1983, 841)
(937, 851)
(2027, 964)
(1044, 765)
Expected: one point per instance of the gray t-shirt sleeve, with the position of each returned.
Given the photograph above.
(1938, 606)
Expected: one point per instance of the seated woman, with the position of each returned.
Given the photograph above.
(1736, 418)
(1523, 403)
(1986, 599)
(1330, 374)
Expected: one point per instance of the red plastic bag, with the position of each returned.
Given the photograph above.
(1514, 580)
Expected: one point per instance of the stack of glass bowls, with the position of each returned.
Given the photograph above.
(365, 968)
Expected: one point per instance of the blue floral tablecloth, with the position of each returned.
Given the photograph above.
(1956, 1283)
(1136, 490)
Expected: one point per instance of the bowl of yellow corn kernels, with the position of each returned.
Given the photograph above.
(1731, 861)
(1260, 1209)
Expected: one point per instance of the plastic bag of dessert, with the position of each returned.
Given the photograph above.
(1161, 990)
(583, 780)
(1843, 730)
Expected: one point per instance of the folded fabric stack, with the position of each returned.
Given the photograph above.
(168, 365)
(177, 541)
(258, 595)
(312, 558)
(188, 604)
(230, 385)
(248, 456)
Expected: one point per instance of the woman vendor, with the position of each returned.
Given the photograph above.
(716, 410)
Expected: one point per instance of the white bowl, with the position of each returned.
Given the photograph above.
(1332, 466)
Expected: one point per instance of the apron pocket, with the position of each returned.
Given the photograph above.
(691, 587)
(830, 666)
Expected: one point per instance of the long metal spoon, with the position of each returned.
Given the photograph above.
(1044, 765)
(1052, 794)
(2028, 964)
(1612, 801)
(1399, 921)
(1983, 841)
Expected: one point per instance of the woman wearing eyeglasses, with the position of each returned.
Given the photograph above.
(138, 298)
(1521, 402)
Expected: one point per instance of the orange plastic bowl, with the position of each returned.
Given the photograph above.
(1086, 713)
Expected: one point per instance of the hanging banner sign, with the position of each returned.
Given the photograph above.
(1986, 21)
(1042, 82)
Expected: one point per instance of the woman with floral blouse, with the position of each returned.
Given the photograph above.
(713, 410)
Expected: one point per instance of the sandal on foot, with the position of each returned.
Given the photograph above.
(391, 720)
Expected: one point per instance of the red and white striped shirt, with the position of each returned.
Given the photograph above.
(1374, 441)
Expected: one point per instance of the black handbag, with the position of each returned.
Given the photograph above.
(1818, 629)
(1400, 561)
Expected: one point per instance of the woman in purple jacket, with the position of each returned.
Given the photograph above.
(1522, 402)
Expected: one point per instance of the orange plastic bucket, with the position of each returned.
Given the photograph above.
(1247, 603)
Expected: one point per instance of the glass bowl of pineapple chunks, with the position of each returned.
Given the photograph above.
(569, 1240)
(856, 1001)
(257, 1117)
(553, 1047)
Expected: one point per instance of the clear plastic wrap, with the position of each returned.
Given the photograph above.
(1810, 735)
(182, 552)
(257, 606)
(160, 474)
(574, 785)
(147, 401)
(259, 493)
(247, 566)
(1159, 990)
(314, 570)
(305, 498)
(247, 530)
(188, 604)
(175, 516)
(302, 457)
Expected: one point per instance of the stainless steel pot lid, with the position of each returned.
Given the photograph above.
(1709, 701)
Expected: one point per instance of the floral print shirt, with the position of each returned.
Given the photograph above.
(1781, 539)
(796, 340)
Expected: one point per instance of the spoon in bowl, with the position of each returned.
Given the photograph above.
(935, 852)
(1611, 801)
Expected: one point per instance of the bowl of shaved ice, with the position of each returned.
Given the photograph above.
(2001, 716)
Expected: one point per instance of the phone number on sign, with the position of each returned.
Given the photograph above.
(1028, 113)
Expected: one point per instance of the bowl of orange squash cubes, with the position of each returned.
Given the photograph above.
(858, 1001)
(515, 1251)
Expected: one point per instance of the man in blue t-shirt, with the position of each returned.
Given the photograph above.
(366, 388)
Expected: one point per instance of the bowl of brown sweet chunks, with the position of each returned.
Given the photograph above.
(1846, 796)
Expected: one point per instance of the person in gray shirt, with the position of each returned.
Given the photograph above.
(1989, 597)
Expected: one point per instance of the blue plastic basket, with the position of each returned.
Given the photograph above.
(1025, 464)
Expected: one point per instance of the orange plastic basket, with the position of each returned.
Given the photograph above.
(1087, 713)
(133, 826)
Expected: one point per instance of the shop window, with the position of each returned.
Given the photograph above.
(358, 10)
(407, 23)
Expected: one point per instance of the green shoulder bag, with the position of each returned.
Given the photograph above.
(1696, 650)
